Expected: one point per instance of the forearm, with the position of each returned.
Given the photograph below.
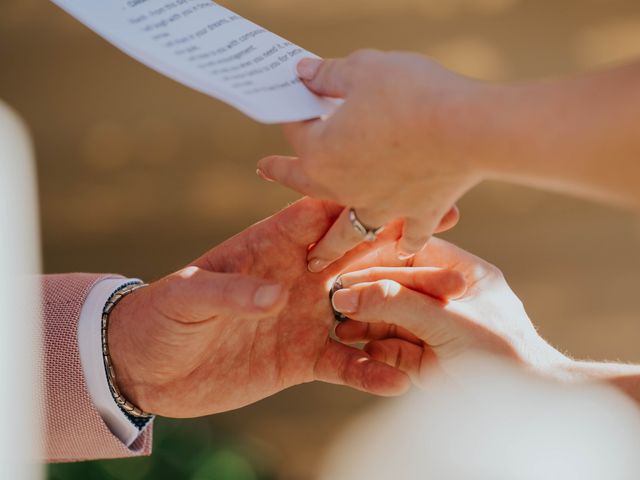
(622, 376)
(580, 135)
(73, 428)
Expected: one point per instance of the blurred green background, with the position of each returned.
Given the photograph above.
(139, 175)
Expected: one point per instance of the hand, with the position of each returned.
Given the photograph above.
(241, 323)
(403, 145)
(399, 310)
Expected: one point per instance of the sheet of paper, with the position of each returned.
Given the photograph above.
(209, 48)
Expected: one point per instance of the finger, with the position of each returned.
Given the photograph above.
(389, 302)
(440, 253)
(195, 295)
(396, 353)
(342, 365)
(439, 283)
(287, 171)
(328, 78)
(380, 252)
(351, 331)
(341, 238)
(450, 220)
(411, 359)
(300, 134)
(415, 235)
(369, 254)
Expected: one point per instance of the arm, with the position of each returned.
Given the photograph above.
(412, 137)
(243, 322)
(579, 135)
(622, 376)
(74, 428)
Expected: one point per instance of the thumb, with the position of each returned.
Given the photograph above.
(195, 295)
(328, 78)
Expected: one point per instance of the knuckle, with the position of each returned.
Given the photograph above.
(497, 274)
(380, 294)
(414, 244)
(488, 271)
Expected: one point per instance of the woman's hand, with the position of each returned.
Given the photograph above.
(406, 322)
(412, 137)
(403, 145)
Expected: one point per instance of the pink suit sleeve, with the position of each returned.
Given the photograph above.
(73, 429)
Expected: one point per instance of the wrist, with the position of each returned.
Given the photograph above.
(124, 349)
(541, 358)
(521, 126)
(494, 136)
(466, 124)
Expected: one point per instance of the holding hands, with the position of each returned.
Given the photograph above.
(245, 321)
(241, 323)
(408, 141)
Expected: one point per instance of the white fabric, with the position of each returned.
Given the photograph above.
(90, 343)
(20, 323)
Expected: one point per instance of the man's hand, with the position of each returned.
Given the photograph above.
(400, 147)
(241, 323)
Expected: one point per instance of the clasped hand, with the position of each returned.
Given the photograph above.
(247, 319)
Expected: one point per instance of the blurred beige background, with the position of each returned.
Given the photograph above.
(139, 175)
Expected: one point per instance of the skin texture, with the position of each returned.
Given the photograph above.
(412, 137)
(195, 343)
(483, 313)
(405, 322)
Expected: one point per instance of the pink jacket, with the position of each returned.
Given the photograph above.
(74, 430)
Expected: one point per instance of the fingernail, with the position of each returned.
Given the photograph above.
(308, 68)
(346, 301)
(405, 256)
(263, 175)
(317, 265)
(267, 296)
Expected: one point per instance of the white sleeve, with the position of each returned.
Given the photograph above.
(90, 344)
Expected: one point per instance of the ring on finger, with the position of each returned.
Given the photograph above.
(368, 234)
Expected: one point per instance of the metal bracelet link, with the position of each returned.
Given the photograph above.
(115, 298)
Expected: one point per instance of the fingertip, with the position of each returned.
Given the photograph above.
(308, 68)
(262, 168)
(395, 383)
(350, 331)
(443, 284)
(346, 301)
(450, 220)
(405, 256)
(407, 248)
(263, 175)
(317, 265)
(456, 284)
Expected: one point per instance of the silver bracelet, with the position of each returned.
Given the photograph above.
(114, 299)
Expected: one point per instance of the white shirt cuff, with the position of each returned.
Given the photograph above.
(90, 344)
